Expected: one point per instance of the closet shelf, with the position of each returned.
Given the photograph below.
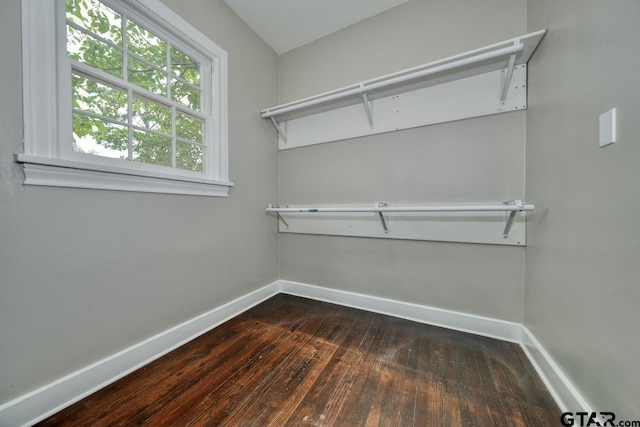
(500, 56)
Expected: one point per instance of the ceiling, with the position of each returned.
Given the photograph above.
(287, 24)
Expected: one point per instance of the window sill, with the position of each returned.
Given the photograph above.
(60, 173)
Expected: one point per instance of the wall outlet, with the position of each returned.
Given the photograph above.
(608, 128)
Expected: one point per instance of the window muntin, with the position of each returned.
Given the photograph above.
(199, 155)
(136, 95)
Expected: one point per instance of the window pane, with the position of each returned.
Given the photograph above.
(162, 134)
(189, 127)
(147, 77)
(95, 136)
(91, 51)
(185, 95)
(99, 98)
(146, 45)
(97, 18)
(151, 115)
(150, 148)
(190, 156)
(185, 67)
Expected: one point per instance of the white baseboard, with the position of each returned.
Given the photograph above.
(563, 391)
(51, 398)
(35, 406)
(479, 325)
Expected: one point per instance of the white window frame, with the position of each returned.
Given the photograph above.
(48, 159)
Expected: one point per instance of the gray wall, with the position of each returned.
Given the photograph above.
(411, 34)
(583, 259)
(479, 159)
(86, 273)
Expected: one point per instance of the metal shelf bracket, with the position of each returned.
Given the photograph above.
(382, 220)
(367, 107)
(278, 214)
(508, 74)
(512, 216)
(282, 134)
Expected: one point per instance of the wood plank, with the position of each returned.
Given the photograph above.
(328, 350)
(397, 404)
(475, 401)
(323, 404)
(133, 394)
(251, 387)
(279, 384)
(282, 406)
(189, 403)
(370, 381)
(171, 405)
(293, 361)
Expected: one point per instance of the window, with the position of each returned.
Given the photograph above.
(138, 101)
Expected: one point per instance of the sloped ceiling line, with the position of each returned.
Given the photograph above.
(287, 24)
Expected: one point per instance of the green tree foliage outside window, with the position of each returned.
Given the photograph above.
(105, 121)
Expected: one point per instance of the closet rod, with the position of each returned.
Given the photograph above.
(512, 206)
(517, 207)
(364, 88)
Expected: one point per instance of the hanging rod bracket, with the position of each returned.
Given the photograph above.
(283, 220)
(367, 107)
(280, 218)
(512, 216)
(382, 220)
(508, 224)
(508, 74)
(282, 134)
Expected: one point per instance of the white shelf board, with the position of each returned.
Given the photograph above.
(473, 96)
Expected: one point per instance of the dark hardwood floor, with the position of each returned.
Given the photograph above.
(293, 361)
